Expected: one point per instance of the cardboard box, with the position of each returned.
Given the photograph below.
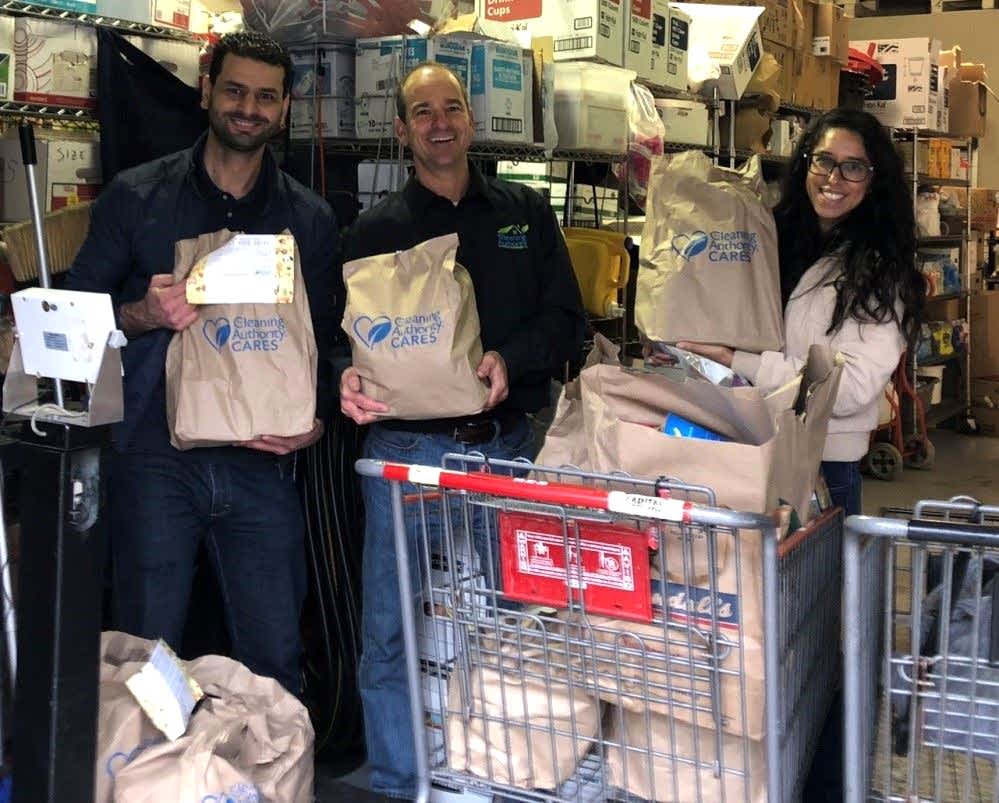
(730, 38)
(68, 173)
(939, 161)
(752, 130)
(670, 46)
(6, 58)
(79, 6)
(55, 62)
(323, 74)
(168, 13)
(336, 118)
(984, 326)
(984, 206)
(638, 38)
(173, 55)
(959, 165)
(968, 108)
(455, 53)
(910, 93)
(817, 85)
(379, 64)
(831, 32)
(580, 29)
(777, 21)
(786, 60)
(497, 91)
(686, 121)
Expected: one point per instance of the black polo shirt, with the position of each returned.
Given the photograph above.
(530, 309)
(135, 224)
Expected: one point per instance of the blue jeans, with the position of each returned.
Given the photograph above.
(246, 509)
(845, 485)
(382, 674)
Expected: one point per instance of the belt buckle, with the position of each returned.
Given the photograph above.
(473, 433)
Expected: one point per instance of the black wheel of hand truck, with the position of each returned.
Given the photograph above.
(884, 461)
(920, 453)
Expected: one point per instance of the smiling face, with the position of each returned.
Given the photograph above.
(832, 196)
(246, 103)
(438, 128)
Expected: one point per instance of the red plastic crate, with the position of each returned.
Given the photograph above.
(611, 568)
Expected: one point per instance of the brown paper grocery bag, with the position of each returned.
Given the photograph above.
(673, 762)
(513, 726)
(709, 269)
(414, 331)
(778, 459)
(565, 444)
(241, 370)
(249, 740)
(123, 730)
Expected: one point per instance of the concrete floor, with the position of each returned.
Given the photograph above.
(964, 465)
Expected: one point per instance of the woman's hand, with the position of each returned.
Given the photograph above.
(720, 354)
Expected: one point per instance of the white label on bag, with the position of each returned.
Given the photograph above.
(650, 507)
(249, 269)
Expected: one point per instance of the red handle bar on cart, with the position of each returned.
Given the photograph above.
(562, 494)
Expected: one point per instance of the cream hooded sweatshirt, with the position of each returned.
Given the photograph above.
(871, 352)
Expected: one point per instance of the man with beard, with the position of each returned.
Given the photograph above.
(240, 501)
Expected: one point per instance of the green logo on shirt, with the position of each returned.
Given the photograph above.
(513, 237)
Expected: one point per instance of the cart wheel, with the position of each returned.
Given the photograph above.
(921, 453)
(885, 461)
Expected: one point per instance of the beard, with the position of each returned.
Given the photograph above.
(239, 141)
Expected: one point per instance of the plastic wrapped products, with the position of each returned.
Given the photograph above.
(299, 21)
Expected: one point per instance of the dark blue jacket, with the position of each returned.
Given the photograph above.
(135, 224)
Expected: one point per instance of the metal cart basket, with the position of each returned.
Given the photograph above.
(921, 654)
(584, 637)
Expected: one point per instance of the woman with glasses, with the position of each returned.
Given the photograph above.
(847, 236)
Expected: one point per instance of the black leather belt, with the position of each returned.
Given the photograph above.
(469, 432)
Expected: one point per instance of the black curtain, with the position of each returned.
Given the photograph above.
(144, 110)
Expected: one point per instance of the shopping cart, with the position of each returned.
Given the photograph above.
(584, 637)
(921, 654)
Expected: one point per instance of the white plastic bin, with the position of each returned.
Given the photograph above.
(591, 106)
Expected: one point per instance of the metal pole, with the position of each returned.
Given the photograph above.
(409, 640)
(771, 661)
(852, 766)
(30, 159)
(9, 614)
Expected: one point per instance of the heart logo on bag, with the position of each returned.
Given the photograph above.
(217, 332)
(690, 245)
(372, 331)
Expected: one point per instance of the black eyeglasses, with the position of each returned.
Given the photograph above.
(822, 164)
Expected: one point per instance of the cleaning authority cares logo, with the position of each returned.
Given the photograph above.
(721, 246)
(245, 334)
(401, 332)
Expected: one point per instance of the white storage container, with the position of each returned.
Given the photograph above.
(591, 106)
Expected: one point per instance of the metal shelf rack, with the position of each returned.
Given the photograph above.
(71, 116)
(123, 26)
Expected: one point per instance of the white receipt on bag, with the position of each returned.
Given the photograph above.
(165, 691)
(249, 269)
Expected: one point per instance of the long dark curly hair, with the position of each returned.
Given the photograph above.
(877, 240)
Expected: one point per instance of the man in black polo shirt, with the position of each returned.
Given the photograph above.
(532, 321)
(240, 500)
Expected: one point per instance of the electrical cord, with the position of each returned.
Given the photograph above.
(51, 408)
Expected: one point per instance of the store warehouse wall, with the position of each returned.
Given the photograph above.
(976, 32)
